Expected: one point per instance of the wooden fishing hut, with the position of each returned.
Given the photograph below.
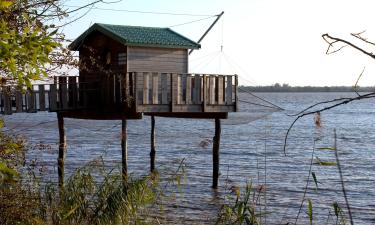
(127, 72)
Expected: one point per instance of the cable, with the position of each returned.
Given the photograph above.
(260, 98)
(145, 12)
(252, 103)
(232, 63)
(194, 21)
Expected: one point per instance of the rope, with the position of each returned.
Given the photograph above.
(193, 21)
(252, 103)
(141, 12)
(275, 106)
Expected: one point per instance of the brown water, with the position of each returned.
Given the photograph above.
(249, 151)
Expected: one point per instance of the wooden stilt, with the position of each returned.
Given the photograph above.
(62, 149)
(124, 149)
(215, 153)
(152, 152)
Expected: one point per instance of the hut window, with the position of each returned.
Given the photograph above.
(122, 58)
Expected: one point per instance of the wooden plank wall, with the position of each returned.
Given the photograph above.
(157, 59)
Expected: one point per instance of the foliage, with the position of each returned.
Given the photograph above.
(12, 155)
(242, 212)
(31, 44)
(84, 199)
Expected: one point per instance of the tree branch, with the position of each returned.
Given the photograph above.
(332, 40)
(343, 102)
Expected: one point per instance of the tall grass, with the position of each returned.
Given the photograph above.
(242, 211)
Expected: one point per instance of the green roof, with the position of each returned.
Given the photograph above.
(138, 36)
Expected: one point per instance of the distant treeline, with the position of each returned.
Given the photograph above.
(286, 88)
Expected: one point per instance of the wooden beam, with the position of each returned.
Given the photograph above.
(204, 100)
(145, 88)
(124, 150)
(94, 115)
(62, 149)
(19, 101)
(236, 93)
(229, 91)
(155, 88)
(197, 89)
(190, 115)
(211, 95)
(53, 97)
(153, 149)
(7, 101)
(63, 89)
(164, 88)
(216, 153)
(174, 90)
(42, 98)
(220, 90)
(188, 89)
(31, 106)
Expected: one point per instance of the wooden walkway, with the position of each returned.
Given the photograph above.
(140, 92)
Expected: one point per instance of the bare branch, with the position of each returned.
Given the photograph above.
(319, 103)
(356, 83)
(365, 96)
(358, 35)
(331, 40)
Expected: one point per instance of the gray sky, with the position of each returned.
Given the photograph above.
(264, 41)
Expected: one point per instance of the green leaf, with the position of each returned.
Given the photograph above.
(71, 212)
(324, 163)
(5, 4)
(315, 180)
(327, 148)
(9, 174)
(336, 208)
(310, 211)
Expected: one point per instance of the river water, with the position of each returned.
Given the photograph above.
(251, 150)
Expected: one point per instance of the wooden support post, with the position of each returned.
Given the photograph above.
(215, 153)
(152, 152)
(62, 149)
(124, 150)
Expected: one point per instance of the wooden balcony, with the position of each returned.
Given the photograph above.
(165, 92)
(130, 93)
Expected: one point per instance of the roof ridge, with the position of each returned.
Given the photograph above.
(138, 36)
(183, 36)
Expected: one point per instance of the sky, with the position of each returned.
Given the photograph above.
(263, 41)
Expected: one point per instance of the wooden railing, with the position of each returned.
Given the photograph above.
(13, 100)
(170, 92)
(147, 92)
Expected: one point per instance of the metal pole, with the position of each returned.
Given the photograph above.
(208, 30)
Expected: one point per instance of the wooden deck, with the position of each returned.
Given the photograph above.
(134, 92)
